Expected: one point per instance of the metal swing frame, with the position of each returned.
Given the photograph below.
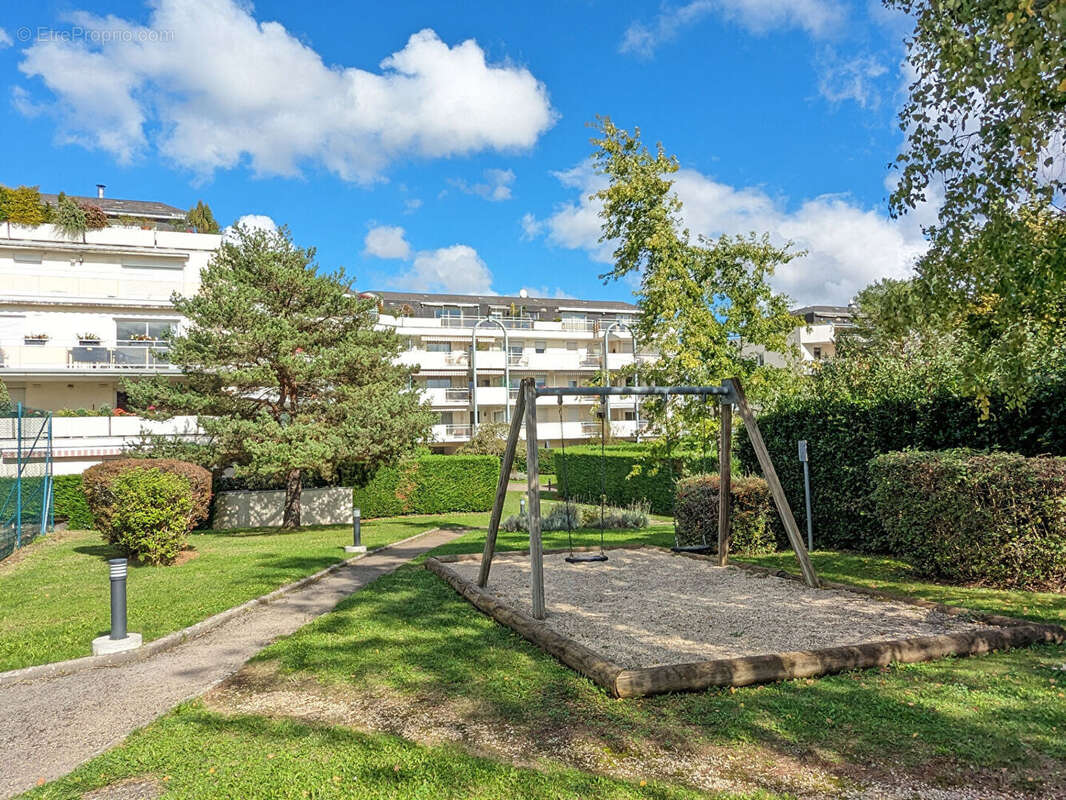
(730, 393)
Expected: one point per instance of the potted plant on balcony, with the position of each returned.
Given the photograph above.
(88, 340)
(36, 338)
(142, 337)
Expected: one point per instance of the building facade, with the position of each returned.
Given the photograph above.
(79, 315)
(472, 352)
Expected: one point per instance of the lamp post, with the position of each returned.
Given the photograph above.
(607, 377)
(807, 491)
(506, 370)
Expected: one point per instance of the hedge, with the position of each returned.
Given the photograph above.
(545, 461)
(69, 501)
(998, 519)
(844, 436)
(430, 484)
(579, 475)
(753, 522)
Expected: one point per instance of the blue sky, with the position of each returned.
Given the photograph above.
(438, 146)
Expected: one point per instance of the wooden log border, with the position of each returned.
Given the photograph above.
(1003, 633)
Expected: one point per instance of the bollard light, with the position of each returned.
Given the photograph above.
(119, 639)
(118, 597)
(522, 505)
(357, 545)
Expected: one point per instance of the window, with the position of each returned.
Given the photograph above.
(499, 416)
(141, 333)
(446, 418)
(572, 383)
(540, 345)
(438, 347)
(541, 380)
(817, 354)
(447, 311)
(571, 345)
(27, 258)
(438, 383)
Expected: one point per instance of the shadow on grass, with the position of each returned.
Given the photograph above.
(251, 755)
(410, 633)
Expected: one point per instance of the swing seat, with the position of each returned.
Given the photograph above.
(586, 558)
(700, 549)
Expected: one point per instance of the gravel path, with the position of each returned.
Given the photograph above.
(644, 608)
(51, 725)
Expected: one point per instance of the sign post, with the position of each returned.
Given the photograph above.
(807, 491)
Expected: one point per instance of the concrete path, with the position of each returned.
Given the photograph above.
(51, 725)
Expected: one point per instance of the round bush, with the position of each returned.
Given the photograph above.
(97, 480)
(150, 519)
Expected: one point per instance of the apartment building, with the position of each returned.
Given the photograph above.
(78, 315)
(815, 337)
(473, 351)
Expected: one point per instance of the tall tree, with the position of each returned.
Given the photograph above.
(987, 105)
(201, 218)
(706, 306)
(285, 369)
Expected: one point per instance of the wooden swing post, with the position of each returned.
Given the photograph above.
(501, 490)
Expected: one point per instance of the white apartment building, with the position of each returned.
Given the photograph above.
(473, 350)
(77, 316)
(814, 337)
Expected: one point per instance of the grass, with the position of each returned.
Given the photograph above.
(54, 593)
(1003, 715)
(194, 753)
(990, 722)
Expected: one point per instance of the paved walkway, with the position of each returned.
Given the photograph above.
(51, 725)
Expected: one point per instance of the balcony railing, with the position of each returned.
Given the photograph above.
(457, 431)
(520, 323)
(123, 356)
(457, 395)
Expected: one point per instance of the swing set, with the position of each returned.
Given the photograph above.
(729, 394)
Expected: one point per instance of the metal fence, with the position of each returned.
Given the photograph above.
(26, 507)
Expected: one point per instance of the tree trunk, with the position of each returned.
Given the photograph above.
(293, 488)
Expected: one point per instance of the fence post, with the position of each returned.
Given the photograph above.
(18, 476)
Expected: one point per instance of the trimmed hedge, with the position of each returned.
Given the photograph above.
(430, 484)
(97, 481)
(579, 475)
(843, 436)
(753, 516)
(69, 501)
(998, 519)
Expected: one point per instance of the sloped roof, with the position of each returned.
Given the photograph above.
(114, 207)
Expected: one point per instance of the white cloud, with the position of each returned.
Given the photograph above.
(850, 79)
(411, 205)
(254, 222)
(457, 269)
(225, 88)
(5, 39)
(817, 17)
(387, 241)
(497, 185)
(848, 246)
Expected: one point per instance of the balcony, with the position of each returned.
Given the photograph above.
(444, 396)
(457, 359)
(511, 323)
(125, 356)
(451, 433)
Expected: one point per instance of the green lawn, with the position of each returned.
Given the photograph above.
(987, 723)
(54, 594)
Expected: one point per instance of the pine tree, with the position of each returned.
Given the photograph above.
(285, 369)
(201, 218)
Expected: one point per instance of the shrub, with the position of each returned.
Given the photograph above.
(632, 476)
(95, 218)
(613, 518)
(97, 482)
(843, 436)
(754, 525)
(430, 484)
(69, 218)
(560, 517)
(997, 519)
(151, 514)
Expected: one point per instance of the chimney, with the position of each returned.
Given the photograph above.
(100, 190)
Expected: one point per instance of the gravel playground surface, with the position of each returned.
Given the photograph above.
(646, 608)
